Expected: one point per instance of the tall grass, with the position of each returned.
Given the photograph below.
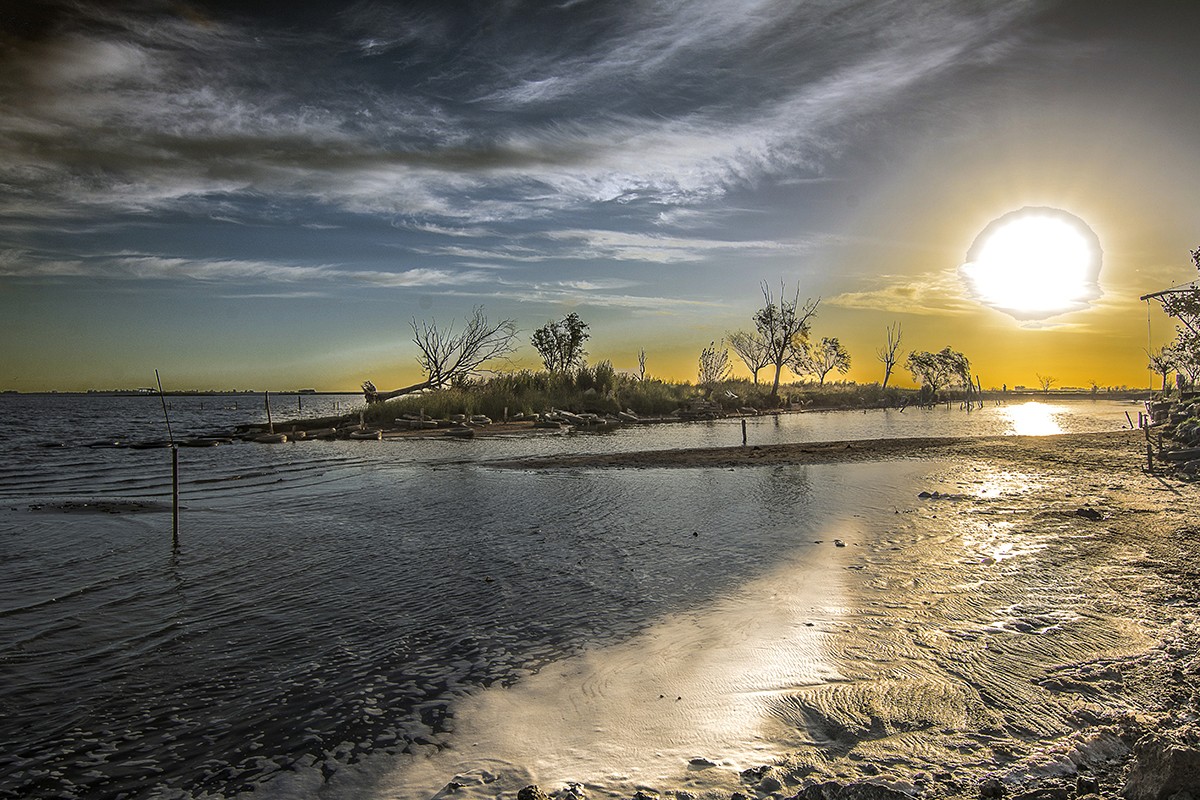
(602, 390)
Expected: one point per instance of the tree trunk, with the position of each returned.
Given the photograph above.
(379, 397)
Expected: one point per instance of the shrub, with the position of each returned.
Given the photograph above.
(602, 390)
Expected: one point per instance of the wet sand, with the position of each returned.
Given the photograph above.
(1085, 451)
(1019, 624)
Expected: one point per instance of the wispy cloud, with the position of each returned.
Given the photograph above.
(274, 295)
(574, 297)
(663, 249)
(15, 264)
(928, 294)
(136, 114)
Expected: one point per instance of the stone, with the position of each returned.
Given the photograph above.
(832, 790)
(990, 788)
(532, 792)
(1162, 766)
(769, 784)
(1045, 793)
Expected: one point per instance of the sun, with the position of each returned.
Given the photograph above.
(1034, 264)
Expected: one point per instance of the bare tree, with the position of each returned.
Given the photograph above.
(1046, 381)
(447, 356)
(752, 349)
(887, 354)
(642, 364)
(821, 358)
(783, 326)
(714, 365)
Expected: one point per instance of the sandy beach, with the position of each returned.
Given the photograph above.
(1023, 625)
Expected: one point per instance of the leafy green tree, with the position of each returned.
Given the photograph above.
(560, 344)
(1183, 303)
(1187, 354)
(940, 370)
(821, 358)
(1162, 362)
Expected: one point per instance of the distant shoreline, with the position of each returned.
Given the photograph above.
(178, 393)
(1025, 394)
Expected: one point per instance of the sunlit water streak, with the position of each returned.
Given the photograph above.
(332, 601)
(1036, 419)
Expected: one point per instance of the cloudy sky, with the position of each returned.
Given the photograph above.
(263, 195)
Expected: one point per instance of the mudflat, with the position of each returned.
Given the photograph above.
(1023, 625)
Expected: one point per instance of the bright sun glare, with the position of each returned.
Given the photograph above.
(1035, 263)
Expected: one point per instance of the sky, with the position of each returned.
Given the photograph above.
(264, 195)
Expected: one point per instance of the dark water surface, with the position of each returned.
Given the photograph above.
(332, 599)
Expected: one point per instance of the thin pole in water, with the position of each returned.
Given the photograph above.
(174, 467)
(270, 424)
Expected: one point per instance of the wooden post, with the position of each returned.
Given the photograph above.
(743, 432)
(174, 466)
(270, 424)
(174, 496)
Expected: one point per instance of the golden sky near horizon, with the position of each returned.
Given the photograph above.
(243, 198)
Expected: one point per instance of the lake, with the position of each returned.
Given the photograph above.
(335, 609)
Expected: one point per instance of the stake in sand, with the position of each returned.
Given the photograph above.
(174, 467)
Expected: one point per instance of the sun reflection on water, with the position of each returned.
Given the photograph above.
(1033, 419)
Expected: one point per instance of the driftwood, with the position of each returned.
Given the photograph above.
(373, 395)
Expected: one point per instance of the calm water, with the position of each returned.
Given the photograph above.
(331, 600)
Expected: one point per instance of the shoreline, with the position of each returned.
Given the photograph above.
(1089, 448)
(1036, 640)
